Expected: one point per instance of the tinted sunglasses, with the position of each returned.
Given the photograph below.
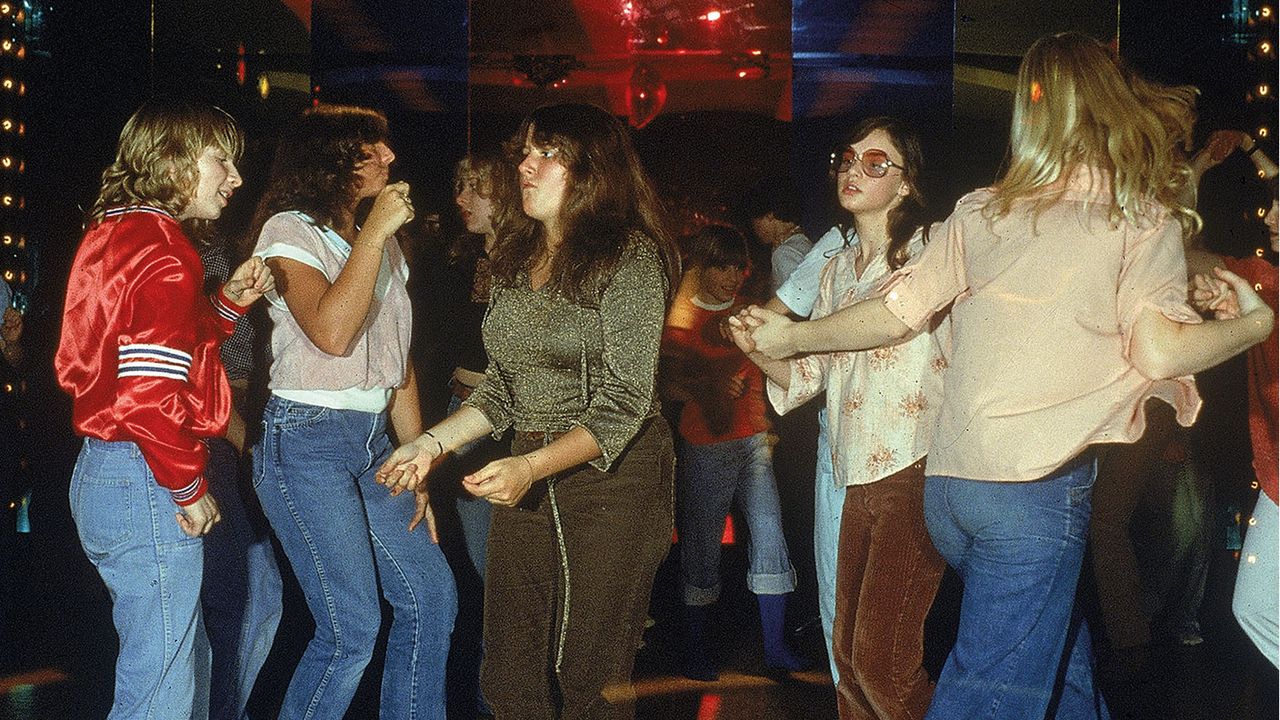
(875, 163)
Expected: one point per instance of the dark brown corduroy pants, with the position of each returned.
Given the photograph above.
(887, 574)
(568, 583)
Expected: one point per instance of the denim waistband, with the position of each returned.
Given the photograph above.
(113, 446)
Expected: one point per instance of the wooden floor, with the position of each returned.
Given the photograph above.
(61, 666)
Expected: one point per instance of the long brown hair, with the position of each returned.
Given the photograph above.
(314, 169)
(608, 201)
(1077, 105)
(911, 213)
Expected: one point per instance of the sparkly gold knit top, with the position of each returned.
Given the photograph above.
(556, 364)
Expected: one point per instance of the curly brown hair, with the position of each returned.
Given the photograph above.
(608, 202)
(314, 169)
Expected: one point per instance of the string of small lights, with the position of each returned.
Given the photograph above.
(15, 260)
(1260, 36)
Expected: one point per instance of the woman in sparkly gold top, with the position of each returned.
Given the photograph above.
(583, 506)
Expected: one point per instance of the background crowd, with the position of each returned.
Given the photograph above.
(595, 329)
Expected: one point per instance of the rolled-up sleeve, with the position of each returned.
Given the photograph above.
(492, 397)
(632, 312)
(1153, 274)
(808, 378)
(915, 292)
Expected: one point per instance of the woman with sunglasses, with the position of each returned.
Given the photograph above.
(1067, 290)
(880, 408)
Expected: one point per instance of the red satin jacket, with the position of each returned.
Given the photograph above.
(139, 345)
(1264, 388)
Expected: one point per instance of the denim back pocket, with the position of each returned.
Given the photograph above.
(102, 502)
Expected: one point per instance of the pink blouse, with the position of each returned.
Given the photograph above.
(1043, 311)
(378, 356)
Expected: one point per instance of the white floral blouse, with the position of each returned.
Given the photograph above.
(881, 403)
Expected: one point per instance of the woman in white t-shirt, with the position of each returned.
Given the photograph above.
(339, 374)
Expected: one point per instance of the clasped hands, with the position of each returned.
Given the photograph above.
(758, 330)
(1226, 295)
(501, 482)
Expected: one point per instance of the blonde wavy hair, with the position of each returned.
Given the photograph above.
(156, 159)
(1077, 105)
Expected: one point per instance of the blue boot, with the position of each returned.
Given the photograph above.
(773, 614)
(697, 663)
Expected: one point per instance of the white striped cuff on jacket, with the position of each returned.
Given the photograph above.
(146, 360)
(185, 494)
(224, 308)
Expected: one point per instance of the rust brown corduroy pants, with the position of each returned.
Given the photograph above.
(887, 573)
(568, 583)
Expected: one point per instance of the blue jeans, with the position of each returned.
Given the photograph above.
(474, 514)
(710, 477)
(241, 597)
(828, 506)
(1254, 602)
(153, 571)
(1022, 650)
(343, 532)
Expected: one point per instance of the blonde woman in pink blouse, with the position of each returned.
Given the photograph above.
(881, 405)
(1067, 287)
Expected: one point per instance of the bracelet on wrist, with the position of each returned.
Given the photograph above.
(439, 445)
(1252, 150)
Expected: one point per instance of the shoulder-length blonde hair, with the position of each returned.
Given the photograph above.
(157, 157)
(1077, 105)
(492, 177)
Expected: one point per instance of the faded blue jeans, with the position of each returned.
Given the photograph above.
(828, 508)
(1022, 651)
(346, 538)
(241, 597)
(709, 478)
(474, 514)
(153, 570)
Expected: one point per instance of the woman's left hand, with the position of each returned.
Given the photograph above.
(422, 513)
(501, 482)
(249, 282)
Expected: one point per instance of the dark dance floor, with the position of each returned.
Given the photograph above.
(61, 666)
